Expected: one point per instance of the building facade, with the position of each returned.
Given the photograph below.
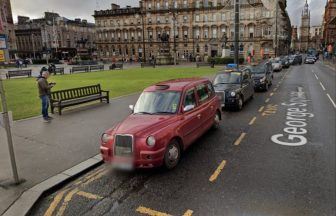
(55, 35)
(305, 28)
(195, 29)
(329, 23)
(7, 27)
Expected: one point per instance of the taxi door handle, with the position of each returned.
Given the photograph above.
(199, 116)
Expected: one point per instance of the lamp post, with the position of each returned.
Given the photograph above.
(142, 14)
(9, 133)
(174, 34)
(236, 38)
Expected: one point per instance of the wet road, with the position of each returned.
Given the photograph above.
(275, 157)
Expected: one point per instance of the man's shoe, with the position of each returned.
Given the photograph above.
(46, 120)
(50, 118)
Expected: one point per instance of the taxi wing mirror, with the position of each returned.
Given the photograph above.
(188, 108)
(131, 107)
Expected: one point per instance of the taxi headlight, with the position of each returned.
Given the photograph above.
(105, 137)
(151, 141)
(233, 94)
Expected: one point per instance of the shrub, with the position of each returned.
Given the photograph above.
(225, 60)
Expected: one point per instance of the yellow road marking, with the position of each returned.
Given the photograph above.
(54, 203)
(188, 213)
(267, 100)
(215, 175)
(253, 120)
(67, 199)
(238, 141)
(261, 109)
(151, 212)
(271, 94)
(89, 195)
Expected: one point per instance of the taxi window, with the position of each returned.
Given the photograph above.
(202, 93)
(190, 98)
(211, 89)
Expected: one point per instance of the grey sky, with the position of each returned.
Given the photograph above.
(84, 8)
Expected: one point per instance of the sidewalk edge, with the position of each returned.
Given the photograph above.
(27, 200)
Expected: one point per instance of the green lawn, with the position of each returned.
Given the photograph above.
(22, 94)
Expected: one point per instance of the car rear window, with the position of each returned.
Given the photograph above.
(202, 93)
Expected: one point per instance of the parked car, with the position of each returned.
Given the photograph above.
(234, 87)
(276, 64)
(262, 76)
(167, 118)
(285, 62)
(297, 59)
(309, 60)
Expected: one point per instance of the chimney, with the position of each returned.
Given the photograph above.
(115, 6)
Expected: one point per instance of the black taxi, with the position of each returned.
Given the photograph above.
(234, 87)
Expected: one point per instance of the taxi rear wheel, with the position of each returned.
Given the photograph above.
(172, 155)
(217, 119)
(240, 103)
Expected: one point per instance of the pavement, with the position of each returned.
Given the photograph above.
(47, 153)
(44, 150)
(260, 162)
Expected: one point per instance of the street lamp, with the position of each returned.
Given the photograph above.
(142, 14)
(174, 13)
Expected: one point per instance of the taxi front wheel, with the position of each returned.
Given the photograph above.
(172, 155)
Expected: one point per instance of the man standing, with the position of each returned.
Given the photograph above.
(44, 92)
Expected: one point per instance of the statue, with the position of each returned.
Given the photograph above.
(164, 37)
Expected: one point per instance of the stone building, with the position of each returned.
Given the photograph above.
(305, 29)
(195, 28)
(56, 35)
(7, 28)
(329, 23)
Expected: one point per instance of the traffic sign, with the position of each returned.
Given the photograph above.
(3, 41)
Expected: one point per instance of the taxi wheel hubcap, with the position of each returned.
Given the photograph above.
(240, 103)
(173, 153)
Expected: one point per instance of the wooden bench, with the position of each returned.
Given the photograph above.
(96, 67)
(59, 71)
(71, 97)
(147, 64)
(17, 73)
(79, 69)
(205, 64)
(116, 66)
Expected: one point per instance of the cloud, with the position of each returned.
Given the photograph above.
(84, 8)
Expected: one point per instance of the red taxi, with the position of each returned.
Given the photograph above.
(167, 118)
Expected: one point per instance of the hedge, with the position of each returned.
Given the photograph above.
(225, 60)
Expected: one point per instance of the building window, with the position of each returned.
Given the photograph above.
(166, 5)
(214, 33)
(175, 4)
(206, 48)
(214, 17)
(185, 4)
(111, 23)
(158, 20)
(197, 18)
(158, 5)
(167, 19)
(223, 17)
(197, 4)
(197, 33)
(149, 6)
(205, 18)
(150, 20)
(185, 18)
(206, 33)
(251, 31)
(185, 34)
